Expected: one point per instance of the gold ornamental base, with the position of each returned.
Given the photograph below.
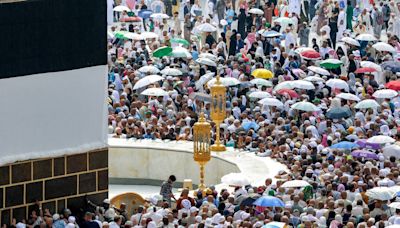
(218, 148)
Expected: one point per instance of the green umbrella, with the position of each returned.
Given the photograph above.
(331, 63)
(120, 34)
(180, 41)
(162, 51)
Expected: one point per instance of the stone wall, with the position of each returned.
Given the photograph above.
(58, 183)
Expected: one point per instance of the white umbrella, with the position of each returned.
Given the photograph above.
(337, 84)
(382, 46)
(284, 85)
(319, 70)
(203, 79)
(391, 151)
(381, 193)
(206, 27)
(301, 84)
(147, 81)
(395, 205)
(149, 69)
(305, 106)
(295, 184)
(171, 71)
(149, 35)
(159, 16)
(271, 102)
(314, 79)
(368, 103)
(348, 96)
(262, 82)
(366, 37)
(349, 40)
(283, 20)
(385, 93)
(208, 56)
(224, 81)
(206, 61)
(235, 179)
(132, 36)
(256, 11)
(381, 139)
(156, 92)
(259, 94)
(180, 52)
(393, 226)
(370, 64)
(121, 8)
(303, 49)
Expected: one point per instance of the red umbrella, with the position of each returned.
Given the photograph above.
(394, 85)
(363, 70)
(310, 54)
(289, 92)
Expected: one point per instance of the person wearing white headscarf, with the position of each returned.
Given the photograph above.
(385, 130)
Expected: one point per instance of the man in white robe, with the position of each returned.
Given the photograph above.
(341, 24)
(294, 6)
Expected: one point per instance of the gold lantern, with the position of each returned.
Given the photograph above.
(202, 141)
(218, 109)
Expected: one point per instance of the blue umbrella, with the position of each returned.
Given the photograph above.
(391, 66)
(338, 113)
(269, 201)
(246, 126)
(344, 145)
(145, 13)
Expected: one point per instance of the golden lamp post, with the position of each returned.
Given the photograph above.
(202, 141)
(218, 111)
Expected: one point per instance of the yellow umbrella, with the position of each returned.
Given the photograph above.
(262, 73)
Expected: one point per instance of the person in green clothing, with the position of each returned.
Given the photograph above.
(349, 16)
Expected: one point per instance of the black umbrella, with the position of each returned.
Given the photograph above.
(248, 201)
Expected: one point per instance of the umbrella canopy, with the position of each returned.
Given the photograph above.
(271, 102)
(155, 92)
(145, 13)
(344, 145)
(381, 193)
(391, 151)
(310, 55)
(395, 205)
(284, 20)
(203, 79)
(368, 103)
(147, 81)
(180, 41)
(364, 144)
(261, 82)
(206, 27)
(337, 84)
(149, 69)
(382, 46)
(331, 63)
(338, 113)
(394, 85)
(275, 225)
(253, 125)
(208, 56)
(225, 81)
(314, 79)
(271, 34)
(162, 51)
(256, 11)
(348, 96)
(385, 93)
(299, 73)
(319, 70)
(262, 73)
(303, 49)
(284, 85)
(259, 94)
(381, 139)
(351, 41)
(248, 201)
(235, 179)
(180, 52)
(366, 37)
(132, 36)
(206, 61)
(269, 201)
(305, 106)
(393, 66)
(302, 84)
(295, 184)
(364, 154)
(370, 64)
(171, 71)
(149, 35)
(288, 92)
(121, 8)
(159, 16)
(363, 70)
(200, 96)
